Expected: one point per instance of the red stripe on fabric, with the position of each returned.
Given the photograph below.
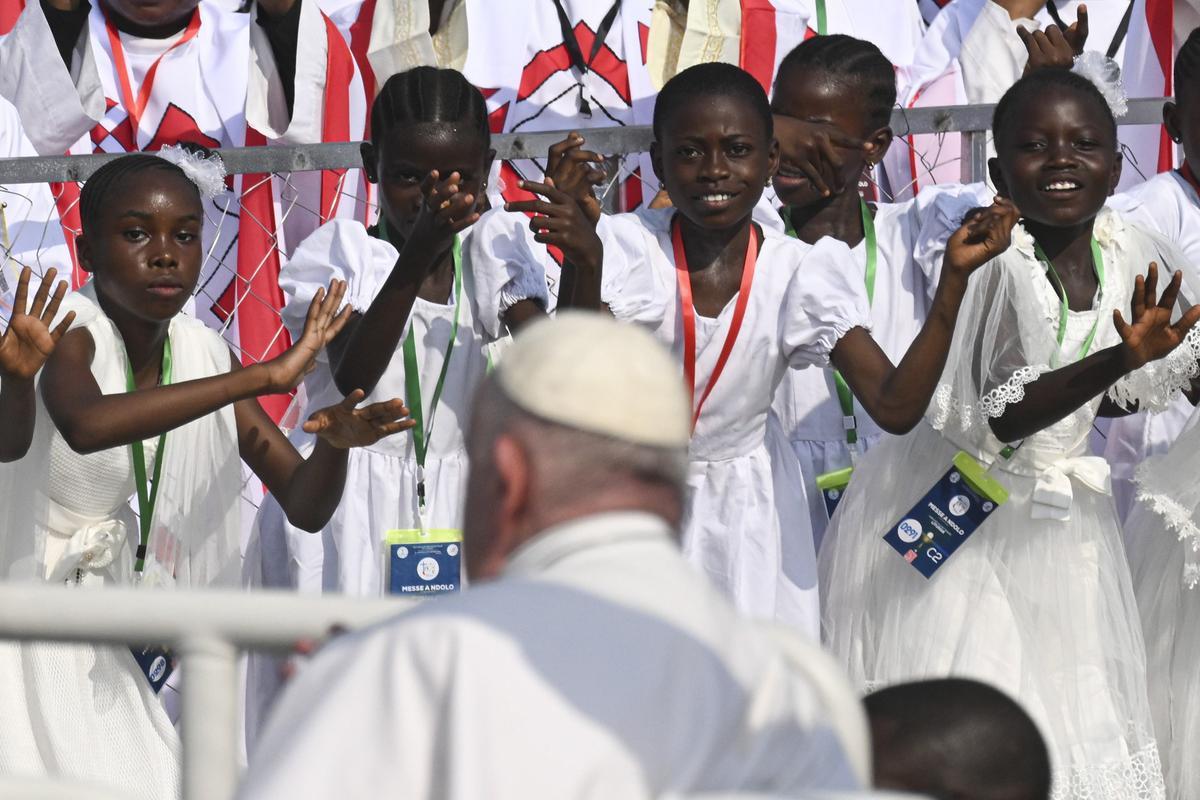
(360, 41)
(758, 56)
(809, 33)
(644, 40)
(335, 126)
(1160, 20)
(259, 299)
(540, 68)
(631, 191)
(66, 199)
(512, 193)
(9, 11)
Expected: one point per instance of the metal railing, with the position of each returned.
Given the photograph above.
(973, 122)
(206, 629)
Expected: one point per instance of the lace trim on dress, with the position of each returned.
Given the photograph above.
(990, 406)
(1155, 386)
(1138, 777)
(1178, 519)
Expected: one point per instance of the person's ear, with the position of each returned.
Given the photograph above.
(877, 145)
(1171, 122)
(514, 472)
(83, 251)
(773, 157)
(369, 157)
(998, 177)
(1118, 164)
(656, 160)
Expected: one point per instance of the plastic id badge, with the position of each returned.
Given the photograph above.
(424, 563)
(832, 486)
(948, 513)
(157, 664)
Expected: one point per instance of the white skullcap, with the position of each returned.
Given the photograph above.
(589, 372)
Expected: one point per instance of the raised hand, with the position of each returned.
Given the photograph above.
(1151, 336)
(813, 150)
(1055, 47)
(344, 426)
(559, 221)
(446, 212)
(573, 170)
(29, 340)
(325, 321)
(985, 234)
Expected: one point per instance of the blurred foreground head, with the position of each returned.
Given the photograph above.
(583, 415)
(956, 739)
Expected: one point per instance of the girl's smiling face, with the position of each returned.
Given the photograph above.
(144, 247)
(408, 153)
(715, 157)
(1057, 159)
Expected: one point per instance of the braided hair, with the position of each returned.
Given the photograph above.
(853, 61)
(428, 94)
(112, 175)
(1028, 88)
(1187, 66)
(711, 80)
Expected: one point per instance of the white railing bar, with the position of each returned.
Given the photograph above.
(628, 139)
(263, 620)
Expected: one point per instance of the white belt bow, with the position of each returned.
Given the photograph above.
(1053, 493)
(91, 548)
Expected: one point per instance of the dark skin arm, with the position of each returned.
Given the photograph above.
(90, 420)
(897, 396)
(1151, 336)
(366, 349)
(24, 348)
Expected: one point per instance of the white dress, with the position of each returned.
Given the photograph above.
(381, 480)
(1164, 533)
(1167, 205)
(1039, 601)
(747, 522)
(807, 403)
(85, 712)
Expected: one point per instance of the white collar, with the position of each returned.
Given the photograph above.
(585, 534)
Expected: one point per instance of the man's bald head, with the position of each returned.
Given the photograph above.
(583, 416)
(956, 739)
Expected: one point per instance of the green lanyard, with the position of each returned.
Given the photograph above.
(822, 22)
(1064, 307)
(147, 495)
(412, 373)
(845, 396)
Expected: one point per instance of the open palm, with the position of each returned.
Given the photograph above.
(1150, 336)
(344, 426)
(325, 321)
(29, 340)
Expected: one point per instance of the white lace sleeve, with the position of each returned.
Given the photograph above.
(1166, 485)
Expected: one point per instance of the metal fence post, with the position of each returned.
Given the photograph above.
(974, 156)
(210, 735)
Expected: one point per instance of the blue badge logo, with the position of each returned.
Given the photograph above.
(959, 505)
(910, 530)
(158, 668)
(428, 569)
(452, 550)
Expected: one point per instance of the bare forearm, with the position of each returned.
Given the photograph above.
(1056, 395)
(315, 488)
(580, 287)
(17, 415)
(112, 420)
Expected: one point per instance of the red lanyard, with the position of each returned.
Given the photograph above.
(688, 309)
(136, 105)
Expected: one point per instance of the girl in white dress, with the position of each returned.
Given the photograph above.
(136, 398)
(740, 304)
(1038, 602)
(833, 101)
(1163, 533)
(416, 297)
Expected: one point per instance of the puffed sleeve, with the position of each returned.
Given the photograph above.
(939, 212)
(506, 267)
(630, 286)
(338, 250)
(825, 297)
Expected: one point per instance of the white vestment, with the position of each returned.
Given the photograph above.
(747, 524)
(599, 665)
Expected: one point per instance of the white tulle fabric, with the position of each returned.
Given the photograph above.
(1163, 531)
(747, 521)
(86, 712)
(1039, 602)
